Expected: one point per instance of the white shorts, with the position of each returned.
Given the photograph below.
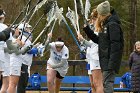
(3, 59)
(6, 71)
(89, 72)
(6, 67)
(62, 70)
(15, 65)
(94, 64)
(15, 70)
(1, 65)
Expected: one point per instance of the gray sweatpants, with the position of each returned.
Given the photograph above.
(108, 81)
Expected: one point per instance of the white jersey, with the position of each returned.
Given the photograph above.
(93, 57)
(92, 51)
(2, 43)
(6, 65)
(26, 58)
(15, 58)
(16, 61)
(55, 58)
(2, 27)
(15, 64)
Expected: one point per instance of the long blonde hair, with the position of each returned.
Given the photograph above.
(94, 14)
(99, 22)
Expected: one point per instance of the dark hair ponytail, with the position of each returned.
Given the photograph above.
(2, 12)
(59, 39)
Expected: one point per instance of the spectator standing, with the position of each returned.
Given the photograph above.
(110, 41)
(134, 64)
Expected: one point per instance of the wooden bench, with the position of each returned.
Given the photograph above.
(75, 80)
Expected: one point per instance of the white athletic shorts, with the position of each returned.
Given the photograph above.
(6, 66)
(94, 64)
(1, 65)
(15, 70)
(2, 59)
(89, 71)
(6, 71)
(15, 66)
(62, 70)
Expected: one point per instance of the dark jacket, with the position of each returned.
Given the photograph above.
(134, 63)
(5, 34)
(110, 42)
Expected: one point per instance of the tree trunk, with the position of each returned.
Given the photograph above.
(133, 26)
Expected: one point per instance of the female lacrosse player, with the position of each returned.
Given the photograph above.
(26, 61)
(16, 60)
(2, 27)
(4, 33)
(92, 56)
(57, 64)
(4, 58)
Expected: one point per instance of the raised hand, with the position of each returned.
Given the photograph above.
(21, 44)
(80, 37)
(49, 35)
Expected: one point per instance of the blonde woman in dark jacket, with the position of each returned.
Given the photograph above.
(110, 41)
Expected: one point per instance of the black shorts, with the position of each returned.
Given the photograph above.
(24, 68)
(58, 75)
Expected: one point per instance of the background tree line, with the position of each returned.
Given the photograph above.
(128, 11)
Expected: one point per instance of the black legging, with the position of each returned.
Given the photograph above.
(1, 82)
(23, 80)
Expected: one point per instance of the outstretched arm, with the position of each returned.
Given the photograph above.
(84, 41)
(17, 51)
(48, 40)
(91, 35)
(5, 34)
